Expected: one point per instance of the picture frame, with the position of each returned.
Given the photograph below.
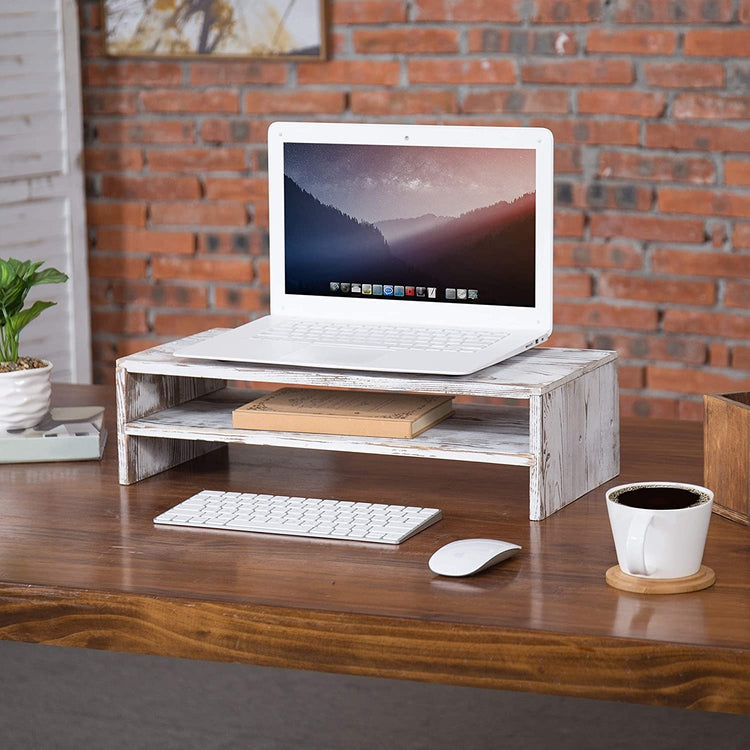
(215, 29)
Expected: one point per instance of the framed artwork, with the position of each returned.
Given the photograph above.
(215, 28)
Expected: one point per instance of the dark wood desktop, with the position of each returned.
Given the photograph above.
(82, 564)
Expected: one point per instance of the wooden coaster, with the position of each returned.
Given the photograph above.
(704, 578)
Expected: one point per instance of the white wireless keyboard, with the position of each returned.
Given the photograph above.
(300, 516)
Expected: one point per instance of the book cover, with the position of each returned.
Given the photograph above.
(69, 433)
(340, 412)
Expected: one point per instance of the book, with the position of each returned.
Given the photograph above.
(340, 412)
(67, 433)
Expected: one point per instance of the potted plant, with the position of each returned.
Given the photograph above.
(25, 388)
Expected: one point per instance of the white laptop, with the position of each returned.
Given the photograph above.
(402, 248)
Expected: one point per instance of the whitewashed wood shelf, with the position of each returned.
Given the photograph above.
(172, 409)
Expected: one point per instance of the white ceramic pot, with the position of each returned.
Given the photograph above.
(24, 397)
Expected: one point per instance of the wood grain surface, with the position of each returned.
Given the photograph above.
(81, 564)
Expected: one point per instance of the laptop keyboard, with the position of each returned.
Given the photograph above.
(365, 336)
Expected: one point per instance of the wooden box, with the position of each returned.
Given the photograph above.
(726, 446)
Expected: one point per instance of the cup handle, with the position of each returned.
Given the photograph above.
(635, 549)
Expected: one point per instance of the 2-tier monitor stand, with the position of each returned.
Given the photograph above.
(172, 409)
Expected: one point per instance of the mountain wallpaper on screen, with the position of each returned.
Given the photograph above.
(356, 215)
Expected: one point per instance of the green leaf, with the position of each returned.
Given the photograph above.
(49, 276)
(24, 317)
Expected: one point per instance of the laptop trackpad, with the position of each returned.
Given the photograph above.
(337, 356)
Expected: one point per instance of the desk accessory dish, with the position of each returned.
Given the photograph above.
(74, 433)
(25, 388)
(726, 448)
(344, 412)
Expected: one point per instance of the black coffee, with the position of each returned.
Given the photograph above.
(659, 498)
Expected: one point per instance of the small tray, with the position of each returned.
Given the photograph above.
(704, 578)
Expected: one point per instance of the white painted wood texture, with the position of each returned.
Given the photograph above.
(41, 177)
(170, 410)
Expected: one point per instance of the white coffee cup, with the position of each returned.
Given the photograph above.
(659, 528)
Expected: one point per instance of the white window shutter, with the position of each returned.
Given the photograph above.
(42, 210)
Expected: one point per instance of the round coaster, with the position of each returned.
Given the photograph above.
(704, 578)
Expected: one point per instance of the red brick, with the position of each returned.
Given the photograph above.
(572, 285)
(657, 290)
(133, 74)
(148, 294)
(150, 188)
(745, 11)
(696, 137)
(741, 358)
(404, 41)
(631, 41)
(632, 405)
(400, 102)
(264, 271)
(718, 354)
(741, 236)
(211, 100)
(244, 189)
(481, 11)
(684, 380)
(570, 72)
(696, 263)
(631, 377)
(442, 70)
(618, 102)
(737, 172)
(199, 214)
(128, 320)
(177, 325)
(113, 159)
(711, 107)
(235, 73)
(234, 131)
(598, 315)
(110, 102)
(568, 159)
(117, 266)
(643, 166)
(197, 160)
(491, 40)
(567, 11)
(153, 131)
(240, 242)
(116, 214)
(690, 409)
(717, 43)
(598, 195)
(703, 202)
(527, 101)
(726, 325)
(295, 102)
(593, 131)
(236, 298)
(346, 12)
(651, 228)
(145, 241)
(683, 75)
(202, 269)
(737, 294)
(569, 223)
(654, 347)
(126, 347)
(351, 72)
(598, 255)
(567, 339)
(669, 12)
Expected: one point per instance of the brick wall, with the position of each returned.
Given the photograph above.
(649, 104)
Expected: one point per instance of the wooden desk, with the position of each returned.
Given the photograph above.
(81, 564)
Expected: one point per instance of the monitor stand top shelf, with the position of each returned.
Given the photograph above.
(532, 373)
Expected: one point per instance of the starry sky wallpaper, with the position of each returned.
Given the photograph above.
(460, 220)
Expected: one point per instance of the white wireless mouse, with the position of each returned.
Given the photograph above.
(468, 556)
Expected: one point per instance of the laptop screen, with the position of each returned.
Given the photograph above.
(410, 223)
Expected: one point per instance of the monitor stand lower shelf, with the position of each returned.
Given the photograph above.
(566, 429)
